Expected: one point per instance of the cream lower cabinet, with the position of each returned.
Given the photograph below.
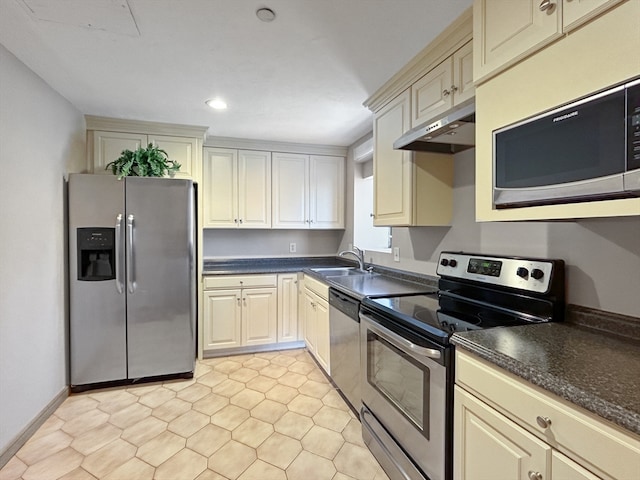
(107, 138)
(237, 188)
(316, 321)
(288, 330)
(507, 429)
(308, 191)
(409, 188)
(240, 311)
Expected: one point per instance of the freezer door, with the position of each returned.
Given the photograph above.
(160, 280)
(97, 306)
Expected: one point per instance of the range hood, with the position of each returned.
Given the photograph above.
(451, 132)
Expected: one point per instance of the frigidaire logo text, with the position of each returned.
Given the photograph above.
(565, 116)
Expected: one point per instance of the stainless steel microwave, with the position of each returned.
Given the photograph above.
(586, 150)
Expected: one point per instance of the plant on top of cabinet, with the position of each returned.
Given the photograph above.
(143, 162)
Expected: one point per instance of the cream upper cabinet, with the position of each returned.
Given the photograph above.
(410, 188)
(237, 188)
(107, 138)
(181, 149)
(501, 420)
(506, 31)
(443, 87)
(308, 191)
(108, 146)
(577, 12)
(326, 192)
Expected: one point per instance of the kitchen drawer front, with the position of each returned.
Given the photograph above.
(601, 447)
(240, 281)
(316, 286)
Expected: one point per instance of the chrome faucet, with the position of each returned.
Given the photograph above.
(356, 252)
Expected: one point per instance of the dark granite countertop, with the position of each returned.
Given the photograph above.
(592, 369)
(242, 266)
(385, 281)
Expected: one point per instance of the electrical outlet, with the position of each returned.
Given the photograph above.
(396, 254)
(292, 247)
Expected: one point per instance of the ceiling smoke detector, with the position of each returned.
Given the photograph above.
(266, 14)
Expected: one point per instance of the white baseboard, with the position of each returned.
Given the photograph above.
(11, 449)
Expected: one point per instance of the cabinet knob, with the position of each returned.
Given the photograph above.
(446, 93)
(454, 88)
(543, 422)
(235, 220)
(240, 220)
(545, 5)
(534, 475)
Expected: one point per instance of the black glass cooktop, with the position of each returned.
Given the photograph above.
(438, 316)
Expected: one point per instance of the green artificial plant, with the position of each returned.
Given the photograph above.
(143, 162)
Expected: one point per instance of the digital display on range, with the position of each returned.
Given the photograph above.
(481, 266)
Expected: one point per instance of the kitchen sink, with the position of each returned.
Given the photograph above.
(339, 271)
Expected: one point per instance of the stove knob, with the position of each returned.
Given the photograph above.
(444, 262)
(522, 272)
(537, 273)
(453, 262)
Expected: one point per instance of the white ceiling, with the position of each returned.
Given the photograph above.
(301, 78)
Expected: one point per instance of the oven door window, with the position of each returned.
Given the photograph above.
(400, 379)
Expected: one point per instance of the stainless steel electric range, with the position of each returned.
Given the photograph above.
(407, 361)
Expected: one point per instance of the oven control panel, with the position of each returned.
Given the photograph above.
(533, 275)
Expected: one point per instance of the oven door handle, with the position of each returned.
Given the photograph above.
(386, 333)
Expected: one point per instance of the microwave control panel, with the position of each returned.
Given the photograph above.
(633, 126)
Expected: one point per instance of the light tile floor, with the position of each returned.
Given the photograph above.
(263, 416)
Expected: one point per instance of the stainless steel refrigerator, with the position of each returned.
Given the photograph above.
(132, 276)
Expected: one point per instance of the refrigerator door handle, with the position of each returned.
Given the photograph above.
(119, 259)
(131, 284)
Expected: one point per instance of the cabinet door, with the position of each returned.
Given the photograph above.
(220, 188)
(254, 189)
(326, 192)
(577, 12)
(259, 316)
(183, 150)
(433, 93)
(288, 307)
(323, 339)
(463, 74)
(563, 468)
(222, 319)
(290, 190)
(392, 169)
(505, 31)
(107, 146)
(487, 445)
(310, 321)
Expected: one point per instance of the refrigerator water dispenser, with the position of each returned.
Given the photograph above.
(96, 254)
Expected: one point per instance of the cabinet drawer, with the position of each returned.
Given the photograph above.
(240, 281)
(590, 441)
(316, 286)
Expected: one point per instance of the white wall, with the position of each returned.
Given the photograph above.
(41, 138)
(602, 255)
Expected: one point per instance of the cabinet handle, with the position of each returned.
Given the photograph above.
(238, 301)
(240, 221)
(446, 93)
(454, 88)
(534, 475)
(545, 5)
(543, 422)
(235, 220)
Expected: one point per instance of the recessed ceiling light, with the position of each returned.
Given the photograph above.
(266, 14)
(217, 104)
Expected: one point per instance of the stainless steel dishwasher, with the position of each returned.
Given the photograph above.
(344, 330)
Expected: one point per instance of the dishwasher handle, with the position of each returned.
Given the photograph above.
(346, 304)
